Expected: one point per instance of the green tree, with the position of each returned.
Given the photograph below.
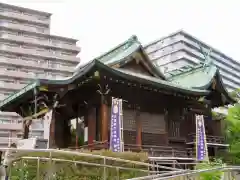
(233, 134)
(236, 94)
(210, 175)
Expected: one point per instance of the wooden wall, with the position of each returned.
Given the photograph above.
(153, 127)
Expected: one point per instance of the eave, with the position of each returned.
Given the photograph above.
(87, 71)
(204, 77)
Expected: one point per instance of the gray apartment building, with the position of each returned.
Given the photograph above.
(27, 52)
(181, 49)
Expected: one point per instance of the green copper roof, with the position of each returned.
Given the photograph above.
(188, 80)
(98, 66)
(127, 49)
(121, 51)
(199, 78)
(159, 82)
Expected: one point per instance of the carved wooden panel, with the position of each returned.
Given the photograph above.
(153, 123)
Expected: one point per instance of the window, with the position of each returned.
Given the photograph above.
(37, 134)
(12, 45)
(9, 81)
(4, 121)
(40, 61)
(24, 70)
(53, 41)
(11, 69)
(40, 29)
(38, 124)
(32, 73)
(4, 133)
(41, 38)
(51, 50)
(20, 34)
(7, 93)
(15, 22)
(65, 53)
(19, 57)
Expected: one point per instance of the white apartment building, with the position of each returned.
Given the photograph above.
(27, 52)
(180, 49)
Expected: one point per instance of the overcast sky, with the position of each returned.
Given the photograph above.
(102, 24)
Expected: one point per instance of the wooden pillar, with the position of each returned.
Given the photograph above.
(25, 130)
(26, 125)
(104, 120)
(86, 127)
(138, 130)
(77, 137)
(52, 136)
(91, 126)
(167, 128)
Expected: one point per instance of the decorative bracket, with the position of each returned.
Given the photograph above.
(207, 58)
(103, 91)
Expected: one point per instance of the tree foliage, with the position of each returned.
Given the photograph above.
(233, 134)
(233, 130)
(216, 175)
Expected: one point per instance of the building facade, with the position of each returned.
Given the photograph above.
(28, 52)
(181, 49)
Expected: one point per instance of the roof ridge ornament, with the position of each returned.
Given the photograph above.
(207, 58)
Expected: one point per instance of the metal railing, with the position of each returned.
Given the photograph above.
(188, 174)
(20, 159)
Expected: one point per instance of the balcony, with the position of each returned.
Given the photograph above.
(11, 126)
(22, 27)
(33, 52)
(7, 140)
(11, 114)
(24, 75)
(36, 41)
(25, 17)
(30, 64)
(12, 86)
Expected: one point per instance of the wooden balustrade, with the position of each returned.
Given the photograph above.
(154, 151)
(210, 139)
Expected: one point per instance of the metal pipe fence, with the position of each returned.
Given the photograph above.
(41, 163)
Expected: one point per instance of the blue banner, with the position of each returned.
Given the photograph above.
(201, 143)
(115, 133)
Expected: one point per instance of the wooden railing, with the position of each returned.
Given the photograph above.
(162, 151)
(210, 139)
(154, 151)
